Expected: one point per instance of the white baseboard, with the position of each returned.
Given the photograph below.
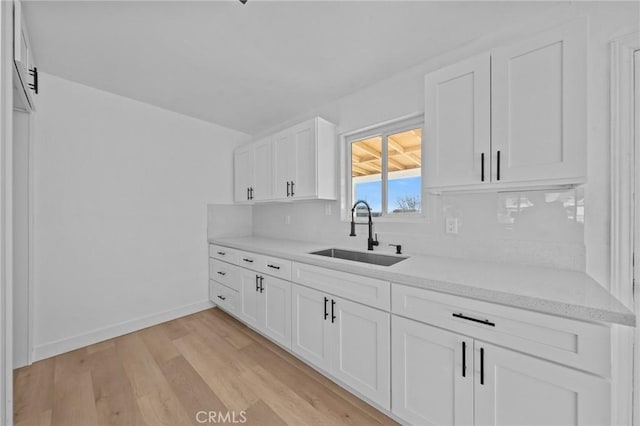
(61, 346)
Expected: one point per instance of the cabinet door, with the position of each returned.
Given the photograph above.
(430, 384)
(311, 326)
(522, 390)
(304, 165)
(263, 171)
(361, 337)
(277, 309)
(284, 162)
(457, 123)
(250, 310)
(539, 107)
(243, 174)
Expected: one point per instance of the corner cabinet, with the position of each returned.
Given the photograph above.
(511, 118)
(296, 163)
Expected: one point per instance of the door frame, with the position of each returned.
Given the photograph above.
(625, 164)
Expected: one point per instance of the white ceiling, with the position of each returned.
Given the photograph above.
(250, 67)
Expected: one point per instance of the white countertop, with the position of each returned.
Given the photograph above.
(569, 294)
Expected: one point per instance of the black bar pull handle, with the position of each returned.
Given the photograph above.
(482, 167)
(257, 280)
(482, 366)
(34, 73)
(222, 273)
(333, 317)
(261, 286)
(498, 166)
(222, 253)
(326, 313)
(288, 189)
(222, 298)
(464, 359)
(248, 198)
(292, 184)
(464, 317)
(251, 192)
(273, 266)
(247, 260)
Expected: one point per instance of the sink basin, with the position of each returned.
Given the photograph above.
(358, 256)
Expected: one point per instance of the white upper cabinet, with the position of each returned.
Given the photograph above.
(539, 106)
(518, 114)
(458, 123)
(296, 163)
(243, 173)
(25, 76)
(253, 172)
(283, 162)
(262, 171)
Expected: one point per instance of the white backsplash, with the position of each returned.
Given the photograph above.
(544, 228)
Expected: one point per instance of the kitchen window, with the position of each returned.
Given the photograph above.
(385, 168)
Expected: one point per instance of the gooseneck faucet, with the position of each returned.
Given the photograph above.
(370, 242)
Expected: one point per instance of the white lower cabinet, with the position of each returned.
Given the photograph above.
(265, 303)
(431, 385)
(277, 310)
(250, 308)
(310, 329)
(349, 340)
(441, 377)
(522, 390)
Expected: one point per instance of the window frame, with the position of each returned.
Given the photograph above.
(383, 129)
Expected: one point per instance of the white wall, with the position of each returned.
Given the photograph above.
(541, 240)
(120, 196)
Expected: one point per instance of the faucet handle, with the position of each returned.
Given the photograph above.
(398, 248)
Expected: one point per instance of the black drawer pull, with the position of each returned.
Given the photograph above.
(221, 253)
(222, 298)
(273, 266)
(222, 273)
(485, 322)
(247, 260)
(333, 304)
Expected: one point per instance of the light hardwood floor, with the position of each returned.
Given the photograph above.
(166, 374)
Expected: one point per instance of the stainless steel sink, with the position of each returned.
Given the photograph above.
(358, 256)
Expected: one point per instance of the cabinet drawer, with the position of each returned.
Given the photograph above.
(224, 297)
(224, 273)
(250, 260)
(274, 266)
(576, 343)
(369, 291)
(223, 253)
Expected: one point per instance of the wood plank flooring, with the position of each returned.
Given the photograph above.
(166, 374)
